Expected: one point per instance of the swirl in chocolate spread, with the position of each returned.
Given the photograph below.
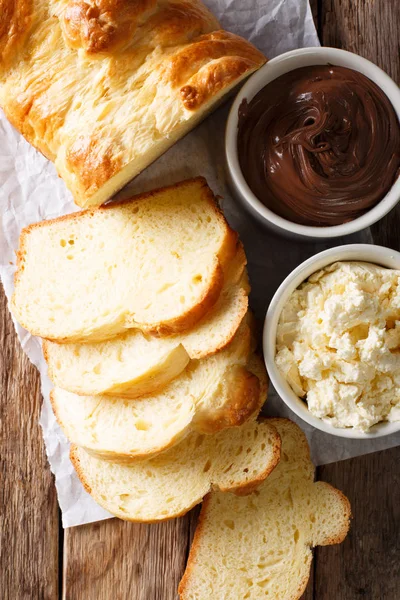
(319, 145)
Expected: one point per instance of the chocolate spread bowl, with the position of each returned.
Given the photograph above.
(361, 200)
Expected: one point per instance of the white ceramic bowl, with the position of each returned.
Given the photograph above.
(360, 252)
(275, 68)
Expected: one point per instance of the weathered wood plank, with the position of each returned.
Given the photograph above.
(315, 9)
(369, 28)
(29, 521)
(366, 565)
(119, 560)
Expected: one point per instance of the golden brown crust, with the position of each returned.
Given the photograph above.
(16, 18)
(95, 161)
(211, 295)
(79, 471)
(214, 61)
(103, 25)
(257, 367)
(209, 47)
(234, 274)
(209, 81)
(121, 459)
(249, 387)
(46, 357)
(238, 489)
(244, 301)
(76, 463)
(235, 269)
(338, 539)
(231, 244)
(179, 22)
(194, 549)
(244, 401)
(185, 581)
(77, 466)
(144, 195)
(303, 584)
(189, 319)
(344, 501)
(55, 411)
(81, 66)
(245, 490)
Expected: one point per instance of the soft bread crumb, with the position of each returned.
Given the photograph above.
(156, 262)
(259, 546)
(135, 363)
(236, 460)
(214, 393)
(104, 88)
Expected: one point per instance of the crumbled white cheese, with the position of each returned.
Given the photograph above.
(338, 344)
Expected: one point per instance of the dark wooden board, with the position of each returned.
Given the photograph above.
(366, 565)
(120, 561)
(29, 521)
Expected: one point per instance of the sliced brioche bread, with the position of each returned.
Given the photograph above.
(169, 485)
(136, 363)
(129, 366)
(260, 546)
(211, 395)
(154, 262)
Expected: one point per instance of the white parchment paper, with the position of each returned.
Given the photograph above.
(31, 191)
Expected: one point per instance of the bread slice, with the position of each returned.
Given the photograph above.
(136, 363)
(104, 88)
(154, 262)
(169, 485)
(212, 394)
(260, 546)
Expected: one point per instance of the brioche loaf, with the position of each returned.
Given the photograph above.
(210, 395)
(103, 88)
(260, 546)
(170, 484)
(134, 363)
(155, 262)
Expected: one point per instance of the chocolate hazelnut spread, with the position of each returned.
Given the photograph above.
(319, 145)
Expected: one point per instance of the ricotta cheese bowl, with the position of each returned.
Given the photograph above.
(332, 341)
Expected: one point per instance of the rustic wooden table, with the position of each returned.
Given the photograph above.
(113, 560)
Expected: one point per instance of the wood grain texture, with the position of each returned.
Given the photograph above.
(120, 561)
(29, 521)
(315, 9)
(366, 565)
(367, 27)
